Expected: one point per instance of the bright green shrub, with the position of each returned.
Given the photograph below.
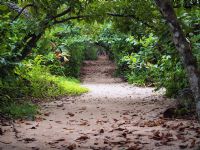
(44, 84)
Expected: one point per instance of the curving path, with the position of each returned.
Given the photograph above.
(112, 116)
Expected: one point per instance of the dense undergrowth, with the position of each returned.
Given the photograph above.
(43, 74)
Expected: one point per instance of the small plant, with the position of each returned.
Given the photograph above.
(15, 109)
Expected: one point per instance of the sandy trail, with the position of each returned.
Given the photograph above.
(112, 116)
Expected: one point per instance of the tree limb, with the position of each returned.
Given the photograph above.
(132, 17)
(62, 13)
(16, 8)
(67, 19)
(21, 11)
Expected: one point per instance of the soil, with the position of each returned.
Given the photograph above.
(112, 116)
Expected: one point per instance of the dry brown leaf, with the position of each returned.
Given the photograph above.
(29, 140)
(33, 127)
(27, 123)
(134, 148)
(72, 147)
(68, 129)
(47, 114)
(154, 123)
(115, 120)
(1, 131)
(59, 122)
(60, 140)
(101, 131)
(60, 105)
(70, 114)
(180, 137)
(84, 123)
(82, 138)
(83, 108)
(183, 146)
(39, 119)
(193, 143)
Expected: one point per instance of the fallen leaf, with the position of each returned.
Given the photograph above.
(82, 138)
(83, 108)
(70, 114)
(29, 140)
(119, 129)
(193, 143)
(60, 140)
(72, 147)
(153, 123)
(101, 131)
(134, 148)
(84, 123)
(59, 122)
(27, 123)
(33, 127)
(47, 114)
(183, 146)
(68, 129)
(126, 113)
(115, 120)
(39, 119)
(60, 105)
(6, 142)
(1, 131)
(35, 148)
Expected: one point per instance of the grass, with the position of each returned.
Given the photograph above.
(26, 110)
(45, 84)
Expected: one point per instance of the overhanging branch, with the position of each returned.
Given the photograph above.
(70, 18)
(16, 8)
(132, 17)
(21, 11)
(62, 13)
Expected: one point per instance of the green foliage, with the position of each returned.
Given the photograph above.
(171, 75)
(43, 84)
(19, 110)
(91, 53)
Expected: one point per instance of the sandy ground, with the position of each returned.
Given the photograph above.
(112, 116)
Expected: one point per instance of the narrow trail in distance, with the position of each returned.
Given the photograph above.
(112, 116)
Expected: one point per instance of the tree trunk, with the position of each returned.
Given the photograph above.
(29, 46)
(183, 46)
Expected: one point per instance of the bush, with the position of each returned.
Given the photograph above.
(44, 84)
(91, 53)
(32, 79)
(14, 109)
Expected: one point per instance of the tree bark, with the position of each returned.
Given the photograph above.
(29, 46)
(16, 8)
(182, 44)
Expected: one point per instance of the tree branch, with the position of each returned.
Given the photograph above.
(132, 17)
(70, 18)
(21, 11)
(16, 8)
(62, 13)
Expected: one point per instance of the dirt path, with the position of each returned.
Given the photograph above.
(112, 116)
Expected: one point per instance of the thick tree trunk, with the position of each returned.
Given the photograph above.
(29, 46)
(183, 46)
